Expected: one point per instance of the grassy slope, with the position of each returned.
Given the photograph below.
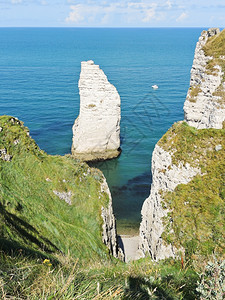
(36, 225)
(215, 47)
(33, 279)
(197, 208)
(32, 217)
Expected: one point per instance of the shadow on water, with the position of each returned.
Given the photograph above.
(127, 198)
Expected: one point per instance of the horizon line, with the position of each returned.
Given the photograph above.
(111, 27)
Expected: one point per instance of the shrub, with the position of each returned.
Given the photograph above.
(212, 283)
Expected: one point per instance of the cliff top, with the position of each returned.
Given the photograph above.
(215, 47)
(196, 207)
(205, 102)
(194, 146)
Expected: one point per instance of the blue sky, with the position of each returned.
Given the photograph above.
(114, 13)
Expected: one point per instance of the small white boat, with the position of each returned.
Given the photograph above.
(155, 87)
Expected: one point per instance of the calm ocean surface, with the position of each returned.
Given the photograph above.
(39, 73)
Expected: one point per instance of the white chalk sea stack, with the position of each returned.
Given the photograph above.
(96, 131)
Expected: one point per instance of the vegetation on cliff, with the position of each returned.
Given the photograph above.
(47, 203)
(196, 210)
(50, 232)
(28, 278)
(51, 226)
(215, 47)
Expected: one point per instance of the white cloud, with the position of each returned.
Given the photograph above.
(16, 1)
(75, 15)
(101, 13)
(149, 15)
(182, 17)
(169, 4)
(135, 4)
(146, 10)
(108, 13)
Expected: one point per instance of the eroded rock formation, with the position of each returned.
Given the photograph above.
(96, 131)
(203, 107)
(109, 233)
(165, 177)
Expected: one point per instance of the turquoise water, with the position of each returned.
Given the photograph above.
(38, 84)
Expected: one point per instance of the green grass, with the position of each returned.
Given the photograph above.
(52, 250)
(215, 47)
(197, 208)
(91, 105)
(30, 278)
(194, 91)
(193, 146)
(32, 216)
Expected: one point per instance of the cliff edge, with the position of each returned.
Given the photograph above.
(51, 204)
(185, 207)
(96, 131)
(205, 105)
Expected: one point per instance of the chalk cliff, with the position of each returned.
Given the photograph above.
(204, 106)
(165, 177)
(96, 131)
(188, 159)
(109, 232)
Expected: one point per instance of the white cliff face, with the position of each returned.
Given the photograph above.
(109, 233)
(202, 108)
(165, 177)
(96, 131)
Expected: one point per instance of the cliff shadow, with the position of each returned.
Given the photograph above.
(120, 243)
(15, 249)
(25, 231)
(162, 289)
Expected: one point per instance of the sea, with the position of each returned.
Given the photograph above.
(39, 73)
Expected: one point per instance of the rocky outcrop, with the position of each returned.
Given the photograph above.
(4, 156)
(203, 107)
(96, 131)
(109, 233)
(165, 177)
(66, 196)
